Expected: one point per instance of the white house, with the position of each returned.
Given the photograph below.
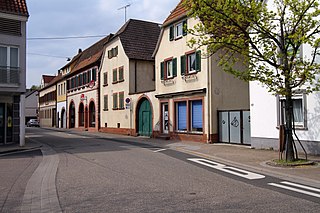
(267, 114)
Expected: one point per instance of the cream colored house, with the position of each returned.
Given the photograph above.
(195, 97)
(48, 101)
(127, 80)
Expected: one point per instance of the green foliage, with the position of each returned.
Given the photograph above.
(34, 87)
(269, 40)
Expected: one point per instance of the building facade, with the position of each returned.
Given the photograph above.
(267, 112)
(31, 105)
(13, 18)
(83, 88)
(192, 90)
(127, 80)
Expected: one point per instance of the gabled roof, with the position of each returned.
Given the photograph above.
(47, 78)
(16, 7)
(91, 55)
(178, 13)
(54, 80)
(139, 38)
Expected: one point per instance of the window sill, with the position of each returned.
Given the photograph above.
(121, 81)
(105, 110)
(178, 37)
(188, 132)
(115, 82)
(105, 85)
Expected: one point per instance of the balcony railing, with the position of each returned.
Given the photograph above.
(9, 75)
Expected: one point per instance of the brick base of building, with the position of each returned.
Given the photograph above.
(119, 131)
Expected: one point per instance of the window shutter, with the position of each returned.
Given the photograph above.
(171, 36)
(185, 28)
(183, 64)
(174, 67)
(198, 61)
(162, 70)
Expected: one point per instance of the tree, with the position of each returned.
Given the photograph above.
(269, 35)
(35, 87)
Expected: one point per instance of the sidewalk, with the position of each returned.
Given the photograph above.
(236, 155)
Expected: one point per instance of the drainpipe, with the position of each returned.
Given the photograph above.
(135, 76)
(209, 140)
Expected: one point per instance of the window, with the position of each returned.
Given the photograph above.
(105, 103)
(191, 63)
(181, 116)
(178, 30)
(196, 116)
(115, 101)
(114, 76)
(120, 73)
(9, 64)
(105, 78)
(189, 116)
(113, 52)
(94, 74)
(121, 100)
(299, 111)
(168, 69)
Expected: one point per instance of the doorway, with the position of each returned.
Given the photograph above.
(165, 118)
(144, 118)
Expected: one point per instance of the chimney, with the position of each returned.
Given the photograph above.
(80, 50)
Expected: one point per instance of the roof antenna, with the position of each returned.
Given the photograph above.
(125, 11)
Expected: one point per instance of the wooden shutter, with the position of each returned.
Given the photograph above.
(162, 70)
(171, 34)
(183, 64)
(198, 60)
(184, 28)
(174, 67)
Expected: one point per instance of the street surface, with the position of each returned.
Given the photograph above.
(81, 173)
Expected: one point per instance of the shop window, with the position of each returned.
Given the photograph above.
(181, 116)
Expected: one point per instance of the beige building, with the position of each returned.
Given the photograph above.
(191, 89)
(128, 81)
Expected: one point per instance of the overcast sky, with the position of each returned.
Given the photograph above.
(63, 18)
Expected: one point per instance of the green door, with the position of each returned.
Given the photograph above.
(145, 118)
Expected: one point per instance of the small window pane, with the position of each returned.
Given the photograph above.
(3, 56)
(114, 74)
(192, 62)
(169, 69)
(14, 58)
(181, 116)
(121, 100)
(179, 30)
(105, 106)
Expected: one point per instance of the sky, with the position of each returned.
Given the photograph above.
(68, 18)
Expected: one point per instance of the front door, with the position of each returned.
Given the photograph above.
(2, 123)
(145, 118)
(165, 118)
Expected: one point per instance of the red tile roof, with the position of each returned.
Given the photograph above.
(48, 78)
(179, 12)
(91, 55)
(16, 7)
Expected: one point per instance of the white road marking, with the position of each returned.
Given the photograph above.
(160, 150)
(295, 189)
(228, 169)
(301, 186)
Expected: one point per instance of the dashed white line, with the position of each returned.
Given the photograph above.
(296, 189)
(160, 150)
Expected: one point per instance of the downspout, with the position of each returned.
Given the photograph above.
(135, 76)
(209, 140)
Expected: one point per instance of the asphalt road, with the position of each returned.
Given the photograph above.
(101, 175)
